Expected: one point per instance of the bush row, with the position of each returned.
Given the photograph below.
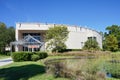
(28, 56)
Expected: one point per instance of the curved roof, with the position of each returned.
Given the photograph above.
(27, 23)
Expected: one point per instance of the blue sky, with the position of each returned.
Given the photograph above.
(95, 14)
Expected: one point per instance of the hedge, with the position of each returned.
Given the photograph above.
(42, 55)
(35, 57)
(28, 56)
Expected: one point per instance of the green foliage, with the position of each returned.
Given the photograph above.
(21, 56)
(111, 43)
(35, 57)
(42, 55)
(113, 68)
(10, 35)
(28, 56)
(56, 37)
(91, 45)
(115, 30)
(108, 43)
(6, 36)
(59, 48)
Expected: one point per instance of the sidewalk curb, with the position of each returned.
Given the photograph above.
(5, 61)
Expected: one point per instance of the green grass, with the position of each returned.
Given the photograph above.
(3, 56)
(26, 71)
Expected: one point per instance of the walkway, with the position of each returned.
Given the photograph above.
(5, 61)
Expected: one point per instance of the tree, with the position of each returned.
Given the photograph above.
(111, 43)
(114, 30)
(6, 36)
(10, 35)
(56, 37)
(91, 45)
(2, 36)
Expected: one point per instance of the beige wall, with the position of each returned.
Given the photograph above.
(76, 38)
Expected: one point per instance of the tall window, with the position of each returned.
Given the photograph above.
(35, 35)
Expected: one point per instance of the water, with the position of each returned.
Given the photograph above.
(109, 75)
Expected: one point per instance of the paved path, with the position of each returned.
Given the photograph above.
(5, 61)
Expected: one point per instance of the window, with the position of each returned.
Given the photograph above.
(89, 38)
(94, 38)
(35, 35)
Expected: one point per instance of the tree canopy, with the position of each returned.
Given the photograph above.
(56, 37)
(111, 43)
(7, 34)
(112, 38)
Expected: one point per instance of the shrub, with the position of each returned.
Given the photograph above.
(21, 56)
(42, 55)
(91, 45)
(28, 56)
(35, 57)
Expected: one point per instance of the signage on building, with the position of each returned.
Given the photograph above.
(33, 46)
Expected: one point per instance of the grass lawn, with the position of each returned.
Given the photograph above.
(26, 71)
(3, 56)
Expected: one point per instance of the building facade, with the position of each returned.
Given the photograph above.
(30, 36)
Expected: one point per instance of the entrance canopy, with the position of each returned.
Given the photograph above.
(29, 42)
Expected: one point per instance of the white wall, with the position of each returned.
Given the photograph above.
(76, 38)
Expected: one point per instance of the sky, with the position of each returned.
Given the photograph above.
(94, 14)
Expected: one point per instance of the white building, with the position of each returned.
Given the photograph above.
(34, 32)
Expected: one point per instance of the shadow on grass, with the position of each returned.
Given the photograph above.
(21, 72)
